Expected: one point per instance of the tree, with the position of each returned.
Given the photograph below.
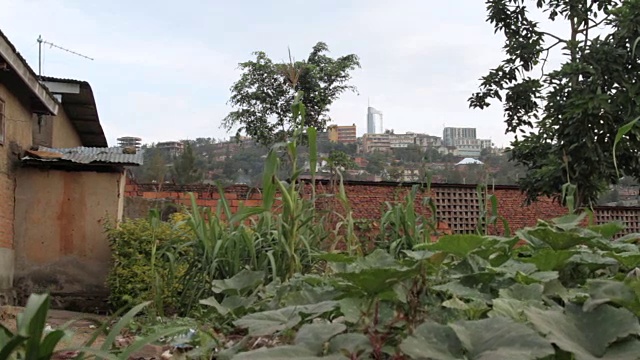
(185, 170)
(339, 160)
(565, 119)
(157, 168)
(263, 96)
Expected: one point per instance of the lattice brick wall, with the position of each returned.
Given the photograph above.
(629, 217)
(458, 207)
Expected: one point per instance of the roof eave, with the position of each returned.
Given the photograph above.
(26, 74)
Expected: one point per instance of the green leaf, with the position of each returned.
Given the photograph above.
(549, 259)
(616, 292)
(284, 352)
(240, 282)
(500, 338)
(622, 132)
(523, 292)
(608, 230)
(314, 336)
(457, 289)
(269, 322)
(488, 339)
(628, 259)
(351, 344)
(459, 245)
(433, 341)
(559, 240)
(124, 321)
(587, 335)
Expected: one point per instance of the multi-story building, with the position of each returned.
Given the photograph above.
(129, 141)
(398, 141)
(450, 134)
(376, 142)
(374, 121)
(171, 148)
(342, 134)
(428, 141)
(471, 147)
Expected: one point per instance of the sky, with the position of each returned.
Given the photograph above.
(162, 69)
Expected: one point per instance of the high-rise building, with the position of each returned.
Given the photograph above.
(129, 141)
(451, 134)
(342, 134)
(374, 121)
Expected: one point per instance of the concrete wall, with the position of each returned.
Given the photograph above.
(18, 123)
(64, 133)
(60, 242)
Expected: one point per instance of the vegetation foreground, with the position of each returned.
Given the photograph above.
(275, 282)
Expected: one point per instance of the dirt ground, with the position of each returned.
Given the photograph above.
(82, 329)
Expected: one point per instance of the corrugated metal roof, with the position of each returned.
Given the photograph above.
(90, 155)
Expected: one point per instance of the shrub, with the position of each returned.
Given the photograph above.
(132, 276)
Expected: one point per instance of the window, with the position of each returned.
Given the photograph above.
(2, 123)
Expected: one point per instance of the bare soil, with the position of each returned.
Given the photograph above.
(82, 330)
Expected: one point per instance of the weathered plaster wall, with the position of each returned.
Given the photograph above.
(60, 242)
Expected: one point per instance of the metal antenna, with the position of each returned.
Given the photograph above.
(42, 41)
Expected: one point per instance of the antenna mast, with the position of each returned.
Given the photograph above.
(42, 41)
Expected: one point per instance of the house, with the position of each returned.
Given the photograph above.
(59, 183)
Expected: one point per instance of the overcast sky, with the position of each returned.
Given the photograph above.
(163, 69)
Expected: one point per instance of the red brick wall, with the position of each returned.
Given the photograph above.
(456, 205)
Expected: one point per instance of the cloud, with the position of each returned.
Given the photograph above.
(163, 71)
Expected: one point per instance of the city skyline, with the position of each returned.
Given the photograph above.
(144, 62)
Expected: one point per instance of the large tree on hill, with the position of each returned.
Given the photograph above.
(263, 95)
(185, 168)
(565, 119)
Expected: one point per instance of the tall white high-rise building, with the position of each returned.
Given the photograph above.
(374, 121)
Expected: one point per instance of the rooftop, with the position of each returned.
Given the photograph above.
(85, 155)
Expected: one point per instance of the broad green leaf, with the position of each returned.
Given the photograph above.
(536, 277)
(433, 341)
(241, 281)
(499, 338)
(593, 261)
(587, 335)
(616, 292)
(283, 352)
(269, 322)
(351, 344)
(627, 259)
(608, 230)
(494, 338)
(455, 288)
(559, 240)
(523, 292)
(230, 303)
(549, 259)
(314, 336)
(459, 245)
(455, 303)
(376, 281)
(351, 309)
